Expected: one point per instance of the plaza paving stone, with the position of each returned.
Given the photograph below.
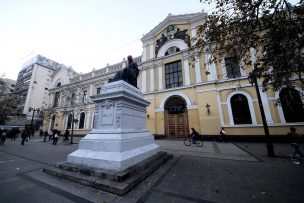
(216, 172)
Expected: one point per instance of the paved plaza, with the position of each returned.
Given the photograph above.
(215, 172)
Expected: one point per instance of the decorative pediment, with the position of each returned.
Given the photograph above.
(171, 20)
(170, 33)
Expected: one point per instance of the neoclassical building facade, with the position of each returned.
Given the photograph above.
(185, 91)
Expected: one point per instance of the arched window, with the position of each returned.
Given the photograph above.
(172, 50)
(240, 109)
(69, 124)
(81, 121)
(292, 105)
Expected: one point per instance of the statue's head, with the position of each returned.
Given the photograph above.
(130, 59)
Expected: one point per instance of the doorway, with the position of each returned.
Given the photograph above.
(176, 117)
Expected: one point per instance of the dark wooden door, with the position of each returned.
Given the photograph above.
(176, 125)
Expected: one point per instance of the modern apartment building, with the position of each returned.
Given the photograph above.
(33, 83)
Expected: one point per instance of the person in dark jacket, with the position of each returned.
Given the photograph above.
(294, 143)
(194, 135)
(45, 135)
(56, 134)
(66, 136)
(3, 136)
(23, 136)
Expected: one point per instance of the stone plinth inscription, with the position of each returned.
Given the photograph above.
(107, 113)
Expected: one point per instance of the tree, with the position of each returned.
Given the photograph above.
(7, 103)
(6, 108)
(272, 30)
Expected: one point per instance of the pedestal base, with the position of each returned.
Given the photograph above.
(120, 138)
(115, 151)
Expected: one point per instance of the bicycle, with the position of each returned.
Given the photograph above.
(188, 141)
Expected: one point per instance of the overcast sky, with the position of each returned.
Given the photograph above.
(84, 34)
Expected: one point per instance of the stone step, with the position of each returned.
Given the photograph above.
(114, 182)
(110, 174)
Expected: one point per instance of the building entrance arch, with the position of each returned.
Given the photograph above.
(176, 117)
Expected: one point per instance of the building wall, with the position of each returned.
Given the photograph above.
(203, 84)
(200, 88)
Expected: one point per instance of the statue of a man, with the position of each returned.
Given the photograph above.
(129, 74)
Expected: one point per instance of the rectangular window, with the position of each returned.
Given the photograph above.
(72, 99)
(56, 100)
(232, 67)
(98, 90)
(84, 98)
(174, 74)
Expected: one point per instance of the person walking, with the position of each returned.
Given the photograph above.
(55, 136)
(66, 136)
(294, 143)
(3, 137)
(23, 137)
(222, 135)
(45, 135)
(41, 133)
(51, 135)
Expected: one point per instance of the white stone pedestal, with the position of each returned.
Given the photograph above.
(120, 138)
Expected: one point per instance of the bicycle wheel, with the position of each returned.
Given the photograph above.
(199, 143)
(187, 141)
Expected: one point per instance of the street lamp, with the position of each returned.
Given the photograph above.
(257, 73)
(33, 109)
(208, 108)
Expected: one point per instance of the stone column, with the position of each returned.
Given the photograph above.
(186, 70)
(266, 106)
(197, 67)
(219, 105)
(144, 80)
(152, 78)
(211, 68)
(160, 76)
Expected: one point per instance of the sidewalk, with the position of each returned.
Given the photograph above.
(216, 172)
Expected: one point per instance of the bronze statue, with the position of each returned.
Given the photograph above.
(128, 74)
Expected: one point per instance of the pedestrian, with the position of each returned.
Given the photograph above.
(28, 134)
(41, 133)
(14, 133)
(23, 136)
(3, 137)
(56, 136)
(66, 136)
(9, 134)
(45, 135)
(294, 143)
(222, 135)
(51, 135)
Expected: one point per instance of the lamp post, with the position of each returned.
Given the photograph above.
(71, 99)
(73, 121)
(256, 73)
(33, 109)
